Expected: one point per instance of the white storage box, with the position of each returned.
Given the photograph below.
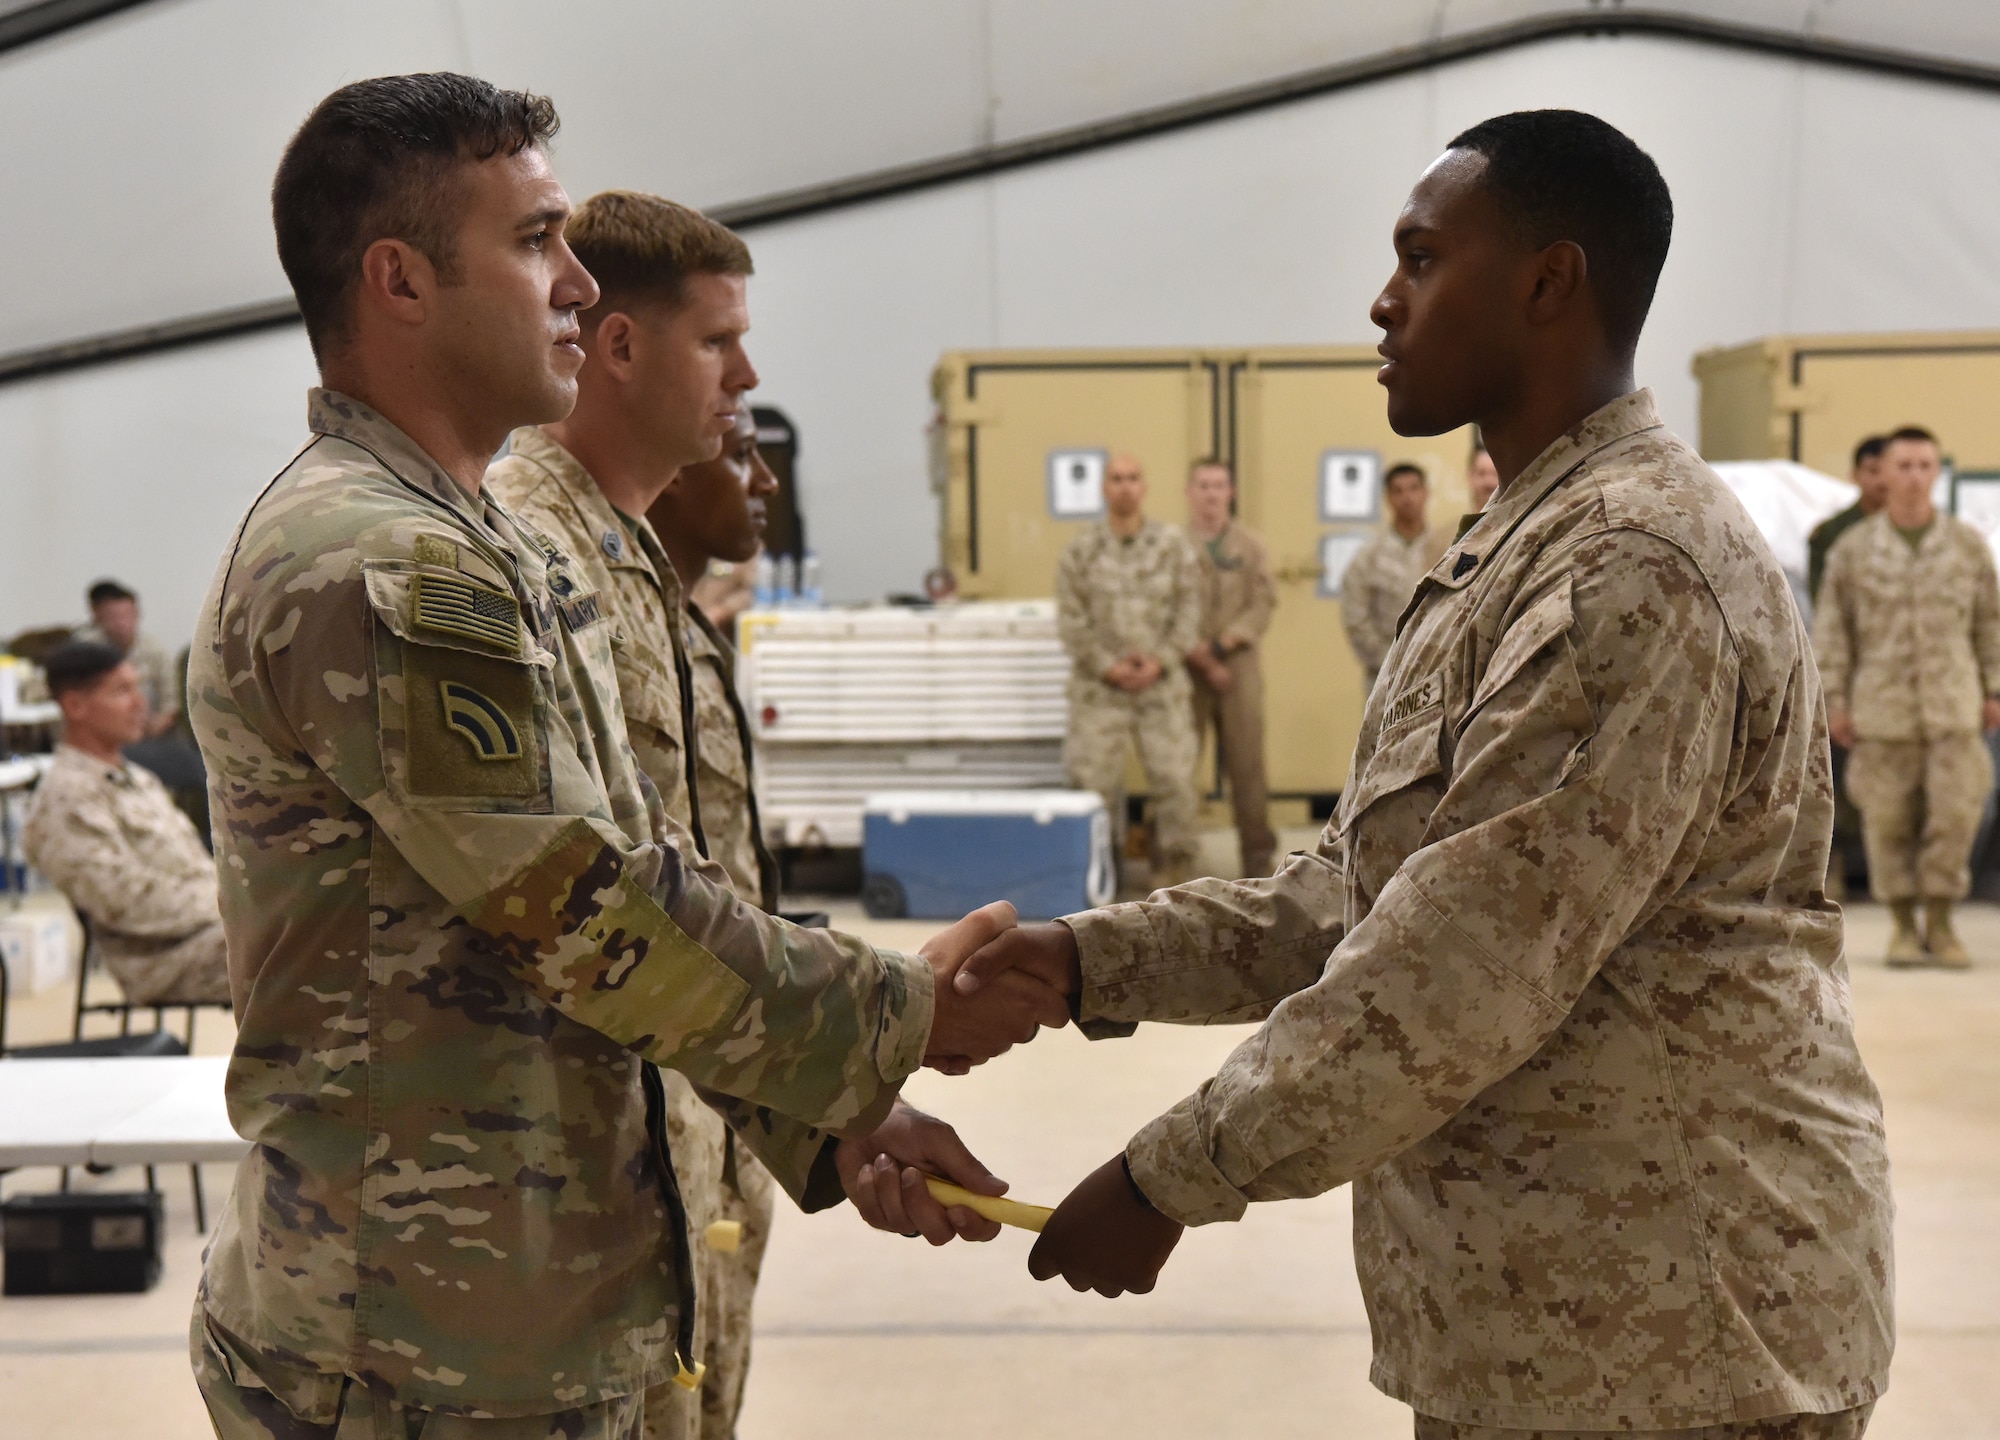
(36, 941)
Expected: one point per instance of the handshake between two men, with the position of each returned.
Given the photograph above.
(998, 984)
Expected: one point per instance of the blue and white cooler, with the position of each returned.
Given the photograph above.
(935, 854)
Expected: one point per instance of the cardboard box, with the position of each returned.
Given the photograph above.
(36, 941)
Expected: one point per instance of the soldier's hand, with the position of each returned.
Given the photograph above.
(1840, 725)
(1105, 1236)
(1989, 714)
(1045, 952)
(970, 1027)
(884, 1176)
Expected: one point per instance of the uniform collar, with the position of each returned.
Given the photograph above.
(328, 412)
(70, 755)
(636, 547)
(1630, 414)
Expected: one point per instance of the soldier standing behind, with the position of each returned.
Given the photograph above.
(1481, 479)
(1908, 635)
(1238, 596)
(1871, 478)
(1384, 573)
(1128, 600)
(715, 511)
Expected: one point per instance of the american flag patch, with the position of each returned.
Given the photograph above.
(453, 605)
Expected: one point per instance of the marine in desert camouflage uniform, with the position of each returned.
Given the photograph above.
(108, 835)
(1128, 608)
(1383, 575)
(1558, 991)
(459, 945)
(1908, 634)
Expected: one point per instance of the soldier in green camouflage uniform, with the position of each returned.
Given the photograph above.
(457, 942)
(1558, 991)
(1128, 608)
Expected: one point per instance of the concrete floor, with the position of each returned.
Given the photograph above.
(1256, 1329)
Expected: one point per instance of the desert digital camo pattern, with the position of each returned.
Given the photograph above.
(724, 766)
(1845, 1425)
(1921, 802)
(1117, 596)
(1908, 640)
(1238, 595)
(113, 841)
(454, 936)
(1558, 989)
(1378, 584)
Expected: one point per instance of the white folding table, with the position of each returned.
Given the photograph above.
(146, 1110)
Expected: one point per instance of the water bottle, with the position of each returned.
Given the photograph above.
(767, 580)
(809, 589)
(788, 571)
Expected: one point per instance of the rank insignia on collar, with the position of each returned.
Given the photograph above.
(614, 544)
(1464, 565)
(484, 724)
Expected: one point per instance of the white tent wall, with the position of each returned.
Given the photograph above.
(1810, 198)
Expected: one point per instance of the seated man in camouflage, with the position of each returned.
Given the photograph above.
(111, 837)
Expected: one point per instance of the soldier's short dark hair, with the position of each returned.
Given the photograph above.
(1869, 449)
(1213, 462)
(78, 665)
(105, 591)
(641, 250)
(377, 160)
(1912, 432)
(1403, 467)
(1565, 175)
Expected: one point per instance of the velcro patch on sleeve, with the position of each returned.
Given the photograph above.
(454, 605)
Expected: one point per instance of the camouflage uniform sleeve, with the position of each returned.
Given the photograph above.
(1357, 609)
(616, 934)
(1073, 624)
(1620, 686)
(75, 839)
(1986, 617)
(1261, 601)
(1832, 634)
(1183, 628)
(1212, 951)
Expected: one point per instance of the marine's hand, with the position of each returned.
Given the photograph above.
(1105, 1236)
(1146, 672)
(884, 1176)
(1046, 953)
(1840, 725)
(1989, 715)
(969, 1027)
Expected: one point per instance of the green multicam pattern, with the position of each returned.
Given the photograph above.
(1559, 991)
(449, 968)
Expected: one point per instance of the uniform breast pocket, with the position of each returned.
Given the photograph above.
(460, 705)
(1407, 764)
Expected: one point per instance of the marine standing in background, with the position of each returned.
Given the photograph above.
(106, 833)
(1238, 595)
(1384, 573)
(1557, 990)
(715, 511)
(1908, 635)
(114, 621)
(459, 940)
(1128, 607)
(663, 375)
(1871, 478)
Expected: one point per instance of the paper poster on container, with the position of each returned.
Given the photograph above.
(1076, 484)
(1336, 553)
(1350, 484)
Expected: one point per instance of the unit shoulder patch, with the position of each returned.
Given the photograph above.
(481, 721)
